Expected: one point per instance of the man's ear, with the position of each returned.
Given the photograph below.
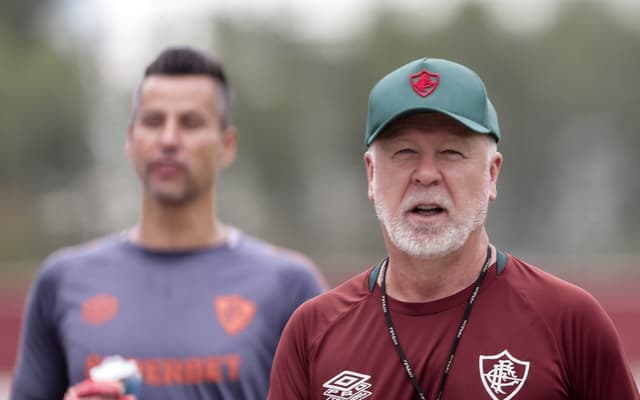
(128, 142)
(368, 164)
(229, 146)
(494, 172)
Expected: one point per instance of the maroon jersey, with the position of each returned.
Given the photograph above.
(530, 336)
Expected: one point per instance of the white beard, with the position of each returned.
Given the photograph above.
(432, 240)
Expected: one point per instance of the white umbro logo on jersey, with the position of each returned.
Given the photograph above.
(347, 385)
(503, 375)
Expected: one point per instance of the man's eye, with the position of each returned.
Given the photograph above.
(152, 120)
(452, 152)
(192, 121)
(405, 151)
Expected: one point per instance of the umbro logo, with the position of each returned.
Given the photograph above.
(347, 385)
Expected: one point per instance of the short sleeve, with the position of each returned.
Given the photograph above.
(598, 368)
(290, 370)
(41, 369)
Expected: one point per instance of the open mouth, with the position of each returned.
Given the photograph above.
(427, 210)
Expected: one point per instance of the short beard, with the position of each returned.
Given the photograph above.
(432, 241)
(171, 198)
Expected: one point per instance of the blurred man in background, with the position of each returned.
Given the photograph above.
(447, 314)
(196, 303)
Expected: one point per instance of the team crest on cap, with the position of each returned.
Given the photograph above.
(503, 375)
(424, 82)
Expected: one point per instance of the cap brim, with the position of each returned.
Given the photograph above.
(474, 126)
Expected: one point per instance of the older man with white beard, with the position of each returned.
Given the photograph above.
(446, 314)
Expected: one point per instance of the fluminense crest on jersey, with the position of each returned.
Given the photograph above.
(347, 385)
(503, 375)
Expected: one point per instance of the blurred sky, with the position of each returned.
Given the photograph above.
(123, 31)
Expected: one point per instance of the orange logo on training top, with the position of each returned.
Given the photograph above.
(99, 309)
(182, 371)
(234, 312)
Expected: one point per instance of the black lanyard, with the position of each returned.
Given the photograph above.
(454, 347)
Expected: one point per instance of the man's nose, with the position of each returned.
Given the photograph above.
(427, 171)
(169, 136)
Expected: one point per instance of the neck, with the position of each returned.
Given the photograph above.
(419, 280)
(171, 227)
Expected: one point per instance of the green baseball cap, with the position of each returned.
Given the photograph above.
(436, 85)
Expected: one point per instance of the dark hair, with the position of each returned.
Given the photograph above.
(188, 61)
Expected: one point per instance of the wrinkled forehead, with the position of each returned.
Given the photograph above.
(427, 122)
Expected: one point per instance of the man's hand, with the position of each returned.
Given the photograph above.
(92, 390)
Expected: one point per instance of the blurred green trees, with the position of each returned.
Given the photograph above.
(44, 124)
(566, 97)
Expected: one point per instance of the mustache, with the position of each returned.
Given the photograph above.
(416, 198)
(166, 162)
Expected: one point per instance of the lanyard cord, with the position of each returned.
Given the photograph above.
(454, 347)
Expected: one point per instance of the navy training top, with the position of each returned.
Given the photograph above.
(201, 324)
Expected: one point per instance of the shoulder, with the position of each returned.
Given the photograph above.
(557, 301)
(248, 245)
(267, 256)
(68, 264)
(80, 253)
(531, 280)
(581, 330)
(322, 311)
(69, 259)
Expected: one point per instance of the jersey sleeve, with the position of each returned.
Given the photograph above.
(41, 369)
(597, 365)
(301, 282)
(290, 370)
